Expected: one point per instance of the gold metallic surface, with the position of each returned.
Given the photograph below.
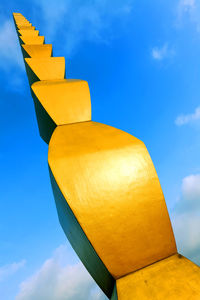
(26, 27)
(108, 179)
(38, 51)
(20, 19)
(174, 278)
(66, 101)
(47, 68)
(32, 40)
(25, 32)
(23, 23)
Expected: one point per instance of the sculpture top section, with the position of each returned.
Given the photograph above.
(58, 101)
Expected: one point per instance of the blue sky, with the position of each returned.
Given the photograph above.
(142, 63)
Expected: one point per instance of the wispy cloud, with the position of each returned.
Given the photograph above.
(186, 218)
(160, 53)
(10, 55)
(186, 8)
(189, 9)
(186, 5)
(188, 118)
(80, 21)
(187, 232)
(58, 280)
(10, 269)
(191, 188)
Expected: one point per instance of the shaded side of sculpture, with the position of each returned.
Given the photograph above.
(107, 193)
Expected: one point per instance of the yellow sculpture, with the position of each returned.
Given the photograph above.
(107, 193)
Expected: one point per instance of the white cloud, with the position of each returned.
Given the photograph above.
(186, 218)
(78, 21)
(188, 118)
(187, 232)
(187, 4)
(9, 47)
(159, 53)
(185, 8)
(191, 188)
(189, 10)
(58, 280)
(10, 269)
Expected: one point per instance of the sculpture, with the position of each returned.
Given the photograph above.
(107, 193)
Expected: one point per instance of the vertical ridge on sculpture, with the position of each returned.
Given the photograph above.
(107, 193)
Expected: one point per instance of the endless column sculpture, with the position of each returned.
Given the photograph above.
(107, 193)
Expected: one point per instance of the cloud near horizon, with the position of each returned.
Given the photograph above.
(10, 269)
(56, 279)
(186, 218)
(191, 188)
